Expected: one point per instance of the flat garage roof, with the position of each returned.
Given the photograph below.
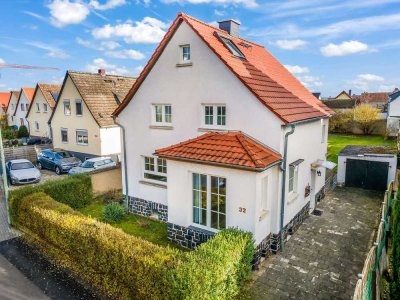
(355, 150)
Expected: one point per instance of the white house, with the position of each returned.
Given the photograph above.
(214, 129)
(393, 119)
(10, 110)
(81, 119)
(22, 107)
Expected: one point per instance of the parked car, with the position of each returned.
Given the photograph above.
(93, 164)
(22, 171)
(58, 160)
(39, 141)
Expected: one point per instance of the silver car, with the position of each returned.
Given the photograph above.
(22, 171)
(93, 164)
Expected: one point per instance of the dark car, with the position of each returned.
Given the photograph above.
(39, 141)
(59, 160)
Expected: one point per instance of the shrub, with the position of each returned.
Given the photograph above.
(120, 265)
(8, 134)
(75, 191)
(395, 235)
(218, 268)
(22, 132)
(113, 212)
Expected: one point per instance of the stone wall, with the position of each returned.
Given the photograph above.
(188, 237)
(148, 208)
(263, 250)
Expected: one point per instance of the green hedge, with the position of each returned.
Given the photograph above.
(75, 191)
(395, 239)
(126, 267)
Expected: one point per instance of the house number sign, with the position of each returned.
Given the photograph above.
(242, 210)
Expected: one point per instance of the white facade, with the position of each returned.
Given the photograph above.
(21, 109)
(187, 89)
(110, 140)
(393, 116)
(11, 110)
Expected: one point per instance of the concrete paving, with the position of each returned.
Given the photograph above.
(324, 256)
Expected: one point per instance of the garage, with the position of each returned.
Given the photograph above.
(367, 167)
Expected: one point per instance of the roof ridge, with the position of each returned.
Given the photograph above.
(242, 140)
(91, 73)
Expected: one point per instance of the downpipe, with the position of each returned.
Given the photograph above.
(124, 160)
(283, 192)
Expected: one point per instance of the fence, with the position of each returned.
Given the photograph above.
(24, 152)
(369, 284)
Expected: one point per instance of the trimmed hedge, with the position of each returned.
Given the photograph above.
(75, 191)
(122, 266)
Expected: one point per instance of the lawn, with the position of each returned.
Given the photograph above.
(337, 142)
(148, 229)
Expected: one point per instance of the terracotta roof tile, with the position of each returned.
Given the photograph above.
(48, 90)
(233, 148)
(4, 99)
(371, 97)
(29, 93)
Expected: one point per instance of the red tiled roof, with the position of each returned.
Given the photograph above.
(371, 97)
(234, 149)
(260, 72)
(29, 93)
(4, 99)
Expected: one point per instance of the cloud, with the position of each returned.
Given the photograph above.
(107, 5)
(245, 3)
(64, 12)
(345, 48)
(52, 51)
(311, 82)
(297, 69)
(219, 13)
(126, 54)
(35, 15)
(2, 61)
(100, 63)
(367, 81)
(387, 87)
(370, 77)
(101, 46)
(290, 44)
(149, 30)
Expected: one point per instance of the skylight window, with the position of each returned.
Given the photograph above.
(231, 46)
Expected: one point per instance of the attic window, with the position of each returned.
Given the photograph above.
(231, 46)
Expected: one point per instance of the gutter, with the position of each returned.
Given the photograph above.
(283, 169)
(124, 159)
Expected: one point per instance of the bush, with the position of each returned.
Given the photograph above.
(113, 212)
(8, 134)
(22, 132)
(218, 268)
(120, 265)
(75, 191)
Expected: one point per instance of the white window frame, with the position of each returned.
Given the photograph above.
(215, 115)
(37, 107)
(66, 130)
(182, 59)
(76, 111)
(77, 137)
(45, 107)
(293, 177)
(64, 105)
(208, 201)
(159, 165)
(36, 126)
(164, 119)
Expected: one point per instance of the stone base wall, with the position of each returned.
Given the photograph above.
(263, 250)
(188, 237)
(290, 228)
(148, 208)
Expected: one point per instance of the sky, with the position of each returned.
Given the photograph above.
(329, 45)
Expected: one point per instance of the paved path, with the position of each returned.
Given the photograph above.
(324, 256)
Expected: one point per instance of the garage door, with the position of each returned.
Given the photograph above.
(370, 175)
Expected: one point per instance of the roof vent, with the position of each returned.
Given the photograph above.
(230, 26)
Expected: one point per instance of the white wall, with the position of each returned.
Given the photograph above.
(10, 111)
(391, 159)
(40, 116)
(110, 140)
(19, 113)
(393, 116)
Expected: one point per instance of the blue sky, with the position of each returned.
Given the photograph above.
(329, 45)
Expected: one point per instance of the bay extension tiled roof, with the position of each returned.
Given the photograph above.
(48, 91)
(232, 149)
(259, 71)
(4, 98)
(101, 93)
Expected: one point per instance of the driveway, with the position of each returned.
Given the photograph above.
(324, 256)
(47, 175)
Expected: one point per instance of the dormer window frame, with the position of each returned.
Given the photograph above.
(230, 45)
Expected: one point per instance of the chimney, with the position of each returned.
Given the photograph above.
(230, 26)
(102, 72)
(350, 93)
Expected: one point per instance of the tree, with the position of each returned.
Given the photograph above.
(8, 133)
(23, 132)
(365, 116)
(339, 120)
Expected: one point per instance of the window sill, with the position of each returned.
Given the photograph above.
(187, 64)
(147, 182)
(79, 144)
(292, 197)
(165, 127)
(204, 229)
(208, 129)
(263, 215)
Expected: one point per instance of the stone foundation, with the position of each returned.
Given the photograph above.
(290, 228)
(263, 250)
(148, 208)
(188, 237)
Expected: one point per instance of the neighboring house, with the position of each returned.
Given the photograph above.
(207, 125)
(342, 105)
(43, 102)
(393, 119)
(12, 104)
(4, 99)
(343, 95)
(22, 106)
(317, 95)
(376, 100)
(81, 119)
